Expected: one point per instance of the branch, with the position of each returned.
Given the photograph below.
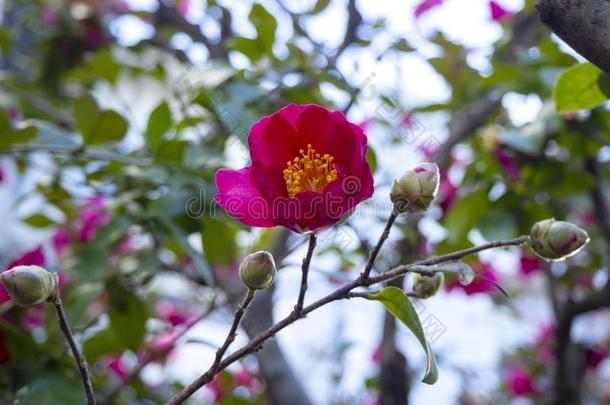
(216, 366)
(354, 21)
(375, 252)
(298, 308)
(109, 400)
(77, 152)
(581, 24)
(80, 360)
(599, 200)
(342, 293)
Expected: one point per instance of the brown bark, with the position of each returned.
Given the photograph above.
(582, 24)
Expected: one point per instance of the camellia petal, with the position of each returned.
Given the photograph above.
(308, 172)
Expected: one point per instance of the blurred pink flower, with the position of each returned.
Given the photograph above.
(483, 282)
(60, 241)
(426, 6)
(498, 13)
(93, 216)
(183, 7)
(116, 365)
(34, 257)
(447, 192)
(507, 163)
(519, 381)
(244, 378)
(544, 343)
(162, 342)
(34, 317)
(594, 356)
(2, 176)
(529, 265)
(174, 314)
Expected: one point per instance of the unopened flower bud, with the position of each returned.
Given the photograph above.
(28, 285)
(557, 240)
(426, 286)
(257, 271)
(415, 190)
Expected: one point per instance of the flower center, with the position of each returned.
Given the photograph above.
(309, 172)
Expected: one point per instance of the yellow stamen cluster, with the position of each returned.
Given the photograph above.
(309, 172)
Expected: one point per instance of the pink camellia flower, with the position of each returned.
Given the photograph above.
(519, 381)
(529, 265)
(309, 170)
(498, 13)
(1, 174)
(426, 6)
(486, 275)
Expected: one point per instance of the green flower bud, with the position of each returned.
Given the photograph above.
(415, 190)
(427, 286)
(257, 271)
(557, 240)
(28, 285)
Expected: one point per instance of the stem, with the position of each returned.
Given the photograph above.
(80, 359)
(109, 400)
(375, 252)
(298, 308)
(77, 151)
(217, 365)
(342, 293)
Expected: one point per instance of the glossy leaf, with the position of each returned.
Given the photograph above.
(578, 88)
(399, 305)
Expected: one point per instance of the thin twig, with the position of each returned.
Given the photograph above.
(77, 152)
(342, 293)
(217, 365)
(161, 353)
(80, 359)
(375, 252)
(305, 272)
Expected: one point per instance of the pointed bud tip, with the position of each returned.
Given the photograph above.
(414, 191)
(28, 285)
(426, 286)
(557, 240)
(257, 270)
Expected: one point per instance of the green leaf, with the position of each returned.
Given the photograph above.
(39, 221)
(103, 343)
(395, 301)
(86, 113)
(111, 126)
(128, 317)
(265, 25)
(578, 88)
(218, 240)
(159, 122)
(98, 126)
(319, 6)
(371, 158)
